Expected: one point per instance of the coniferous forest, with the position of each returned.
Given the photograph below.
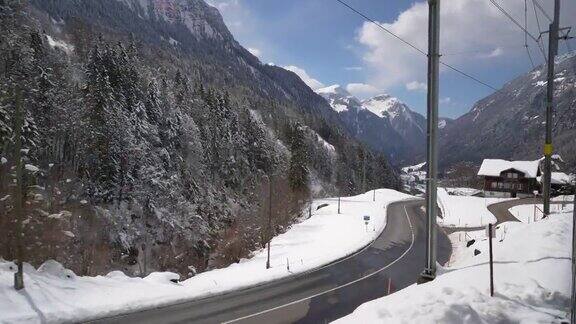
(131, 139)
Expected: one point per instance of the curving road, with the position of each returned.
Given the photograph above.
(502, 213)
(321, 295)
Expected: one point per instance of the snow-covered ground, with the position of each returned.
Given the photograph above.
(53, 293)
(465, 211)
(463, 191)
(534, 212)
(532, 275)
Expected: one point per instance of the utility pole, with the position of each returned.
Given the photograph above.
(573, 305)
(269, 220)
(548, 149)
(429, 272)
(18, 203)
(363, 171)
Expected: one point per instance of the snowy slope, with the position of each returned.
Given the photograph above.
(532, 273)
(59, 295)
(339, 99)
(465, 211)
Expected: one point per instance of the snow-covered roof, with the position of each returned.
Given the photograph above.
(558, 178)
(493, 167)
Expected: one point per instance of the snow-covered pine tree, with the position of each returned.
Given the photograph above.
(298, 173)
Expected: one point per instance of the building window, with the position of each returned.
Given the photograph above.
(512, 175)
(493, 185)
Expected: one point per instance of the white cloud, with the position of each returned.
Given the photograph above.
(362, 90)
(498, 51)
(416, 86)
(254, 51)
(466, 26)
(311, 82)
(446, 100)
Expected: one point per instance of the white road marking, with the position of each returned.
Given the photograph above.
(335, 288)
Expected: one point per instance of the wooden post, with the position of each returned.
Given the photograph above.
(338, 204)
(389, 286)
(374, 195)
(490, 231)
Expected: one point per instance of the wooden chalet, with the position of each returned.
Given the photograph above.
(504, 178)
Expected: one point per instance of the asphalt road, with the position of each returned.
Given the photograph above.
(320, 295)
(501, 212)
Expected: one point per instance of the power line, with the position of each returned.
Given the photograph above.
(537, 4)
(412, 45)
(382, 27)
(536, 15)
(480, 51)
(526, 35)
(539, 31)
(468, 75)
(513, 20)
(516, 23)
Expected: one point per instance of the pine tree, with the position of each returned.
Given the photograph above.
(298, 173)
(103, 125)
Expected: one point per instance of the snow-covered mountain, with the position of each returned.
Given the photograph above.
(340, 99)
(383, 122)
(509, 124)
(409, 124)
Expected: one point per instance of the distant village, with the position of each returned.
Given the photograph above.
(494, 178)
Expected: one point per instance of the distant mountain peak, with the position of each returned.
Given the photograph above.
(385, 105)
(333, 89)
(383, 121)
(339, 98)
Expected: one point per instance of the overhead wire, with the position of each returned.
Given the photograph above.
(514, 47)
(539, 30)
(537, 4)
(516, 23)
(526, 35)
(413, 46)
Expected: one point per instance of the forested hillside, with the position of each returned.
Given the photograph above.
(140, 136)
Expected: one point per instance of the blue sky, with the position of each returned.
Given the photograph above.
(325, 43)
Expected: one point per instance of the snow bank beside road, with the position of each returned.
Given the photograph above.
(532, 274)
(58, 295)
(465, 211)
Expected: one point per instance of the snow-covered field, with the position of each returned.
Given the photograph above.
(534, 212)
(532, 275)
(465, 211)
(53, 293)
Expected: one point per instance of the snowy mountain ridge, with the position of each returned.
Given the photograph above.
(509, 123)
(389, 113)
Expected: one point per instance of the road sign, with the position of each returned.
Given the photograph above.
(366, 220)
